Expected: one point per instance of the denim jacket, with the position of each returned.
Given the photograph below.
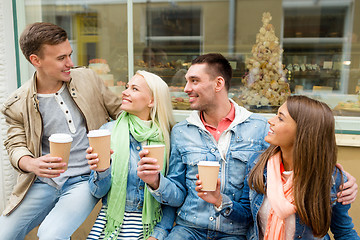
(100, 183)
(341, 223)
(191, 143)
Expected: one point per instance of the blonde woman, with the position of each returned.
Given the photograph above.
(129, 211)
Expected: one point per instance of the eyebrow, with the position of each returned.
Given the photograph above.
(280, 113)
(133, 85)
(64, 55)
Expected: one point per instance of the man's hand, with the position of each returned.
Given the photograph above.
(213, 197)
(148, 170)
(152, 238)
(349, 189)
(44, 166)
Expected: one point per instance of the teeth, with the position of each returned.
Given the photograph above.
(271, 131)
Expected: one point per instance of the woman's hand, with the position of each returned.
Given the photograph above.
(93, 158)
(148, 170)
(213, 197)
(152, 238)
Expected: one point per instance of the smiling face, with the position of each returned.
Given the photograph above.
(200, 87)
(282, 129)
(137, 98)
(54, 62)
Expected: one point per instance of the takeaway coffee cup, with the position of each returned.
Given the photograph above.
(208, 174)
(157, 152)
(60, 145)
(99, 140)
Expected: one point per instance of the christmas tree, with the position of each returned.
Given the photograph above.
(265, 83)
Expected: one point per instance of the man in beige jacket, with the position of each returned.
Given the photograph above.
(58, 99)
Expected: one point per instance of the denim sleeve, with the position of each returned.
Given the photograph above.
(100, 183)
(172, 188)
(163, 228)
(341, 223)
(240, 211)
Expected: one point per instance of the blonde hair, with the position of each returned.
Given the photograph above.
(162, 113)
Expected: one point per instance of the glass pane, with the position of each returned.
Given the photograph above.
(97, 33)
(308, 47)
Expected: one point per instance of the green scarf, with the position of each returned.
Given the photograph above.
(151, 212)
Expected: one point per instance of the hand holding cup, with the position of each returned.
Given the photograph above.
(100, 151)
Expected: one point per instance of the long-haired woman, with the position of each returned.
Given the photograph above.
(291, 189)
(129, 211)
(295, 181)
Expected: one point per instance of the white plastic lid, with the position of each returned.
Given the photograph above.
(60, 138)
(99, 133)
(154, 146)
(208, 163)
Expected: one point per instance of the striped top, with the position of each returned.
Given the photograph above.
(131, 228)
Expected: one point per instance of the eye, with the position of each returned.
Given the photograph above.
(61, 58)
(135, 89)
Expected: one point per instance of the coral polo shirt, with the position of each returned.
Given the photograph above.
(223, 124)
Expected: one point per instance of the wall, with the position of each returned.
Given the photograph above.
(7, 85)
(349, 158)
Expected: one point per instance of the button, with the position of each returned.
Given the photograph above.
(61, 102)
(16, 96)
(141, 187)
(211, 218)
(218, 132)
(138, 148)
(73, 94)
(212, 150)
(67, 111)
(139, 207)
(69, 121)
(73, 89)
(299, 237)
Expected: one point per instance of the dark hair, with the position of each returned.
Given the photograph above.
(37, 34)
(218, 65)
(314, 159)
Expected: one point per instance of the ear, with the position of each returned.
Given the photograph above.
(35, 60)
(220, 83)
(151, 103)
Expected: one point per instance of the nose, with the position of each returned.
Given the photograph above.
(69, 62)
(187, 87)
(271, 120)
(124, 93)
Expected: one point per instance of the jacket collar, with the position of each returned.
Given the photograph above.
(241, 114)
(33, 89)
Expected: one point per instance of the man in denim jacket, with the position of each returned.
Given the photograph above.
(220, 131)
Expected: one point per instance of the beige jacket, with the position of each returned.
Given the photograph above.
(96, 102)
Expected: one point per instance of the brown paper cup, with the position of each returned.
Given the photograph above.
(208, 174)
(99, 140)
(157, 152)
(60, 145)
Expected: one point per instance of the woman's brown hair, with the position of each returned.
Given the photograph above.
(315, 155)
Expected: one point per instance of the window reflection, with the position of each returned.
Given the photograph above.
(319, 38)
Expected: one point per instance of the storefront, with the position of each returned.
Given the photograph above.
(309, 47)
